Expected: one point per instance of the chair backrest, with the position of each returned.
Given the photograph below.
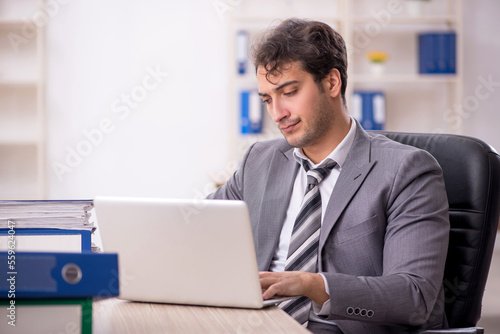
(471, 170)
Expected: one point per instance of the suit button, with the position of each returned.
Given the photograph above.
(369, 314)
(363, 313)
(350, 310)
(357, 310)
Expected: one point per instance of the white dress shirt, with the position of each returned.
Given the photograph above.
(339, 154)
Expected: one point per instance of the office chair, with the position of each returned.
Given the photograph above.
(471, 170)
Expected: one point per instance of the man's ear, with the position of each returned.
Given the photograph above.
(333, 83)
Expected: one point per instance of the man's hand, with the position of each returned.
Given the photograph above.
(293, 283)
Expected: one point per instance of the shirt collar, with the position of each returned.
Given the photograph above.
(339, 154)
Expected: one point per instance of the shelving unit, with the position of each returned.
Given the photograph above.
(414, 102)
(21, 101)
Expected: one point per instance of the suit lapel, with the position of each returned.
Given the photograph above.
(354, 171)
(276, 198)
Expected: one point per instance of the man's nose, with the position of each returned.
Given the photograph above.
(278, 111)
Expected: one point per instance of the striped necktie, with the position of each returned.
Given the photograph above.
(303, 249)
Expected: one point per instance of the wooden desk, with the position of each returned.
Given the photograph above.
(112, 316)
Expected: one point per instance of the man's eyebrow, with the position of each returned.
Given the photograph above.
(283, 85)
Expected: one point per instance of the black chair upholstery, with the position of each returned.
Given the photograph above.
(471, 170)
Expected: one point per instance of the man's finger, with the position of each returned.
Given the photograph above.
(271, 291)
(267, 281)
(263, 274)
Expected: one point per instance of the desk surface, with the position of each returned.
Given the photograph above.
(117, 316)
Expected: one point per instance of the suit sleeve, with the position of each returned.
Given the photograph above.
(233, 188)
(414, 252)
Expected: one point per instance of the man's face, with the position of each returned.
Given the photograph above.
(299, 108)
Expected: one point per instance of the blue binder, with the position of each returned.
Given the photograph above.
(437, 53)
(369, 109)
(242, 51)
(58, 275)
(251, 112)
(426, 60)
(85, 235)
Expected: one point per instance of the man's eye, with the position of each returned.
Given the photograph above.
(266, 101)
(290, 93)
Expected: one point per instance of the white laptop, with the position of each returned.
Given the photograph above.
(196, 252)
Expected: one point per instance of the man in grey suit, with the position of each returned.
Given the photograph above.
(382, 243)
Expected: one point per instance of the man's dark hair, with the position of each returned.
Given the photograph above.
(315, 45)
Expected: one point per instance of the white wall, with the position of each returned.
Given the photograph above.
(99, 50)
(481, 114)
(172, 136)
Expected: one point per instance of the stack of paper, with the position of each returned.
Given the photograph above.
(46, 226)
(65, 214)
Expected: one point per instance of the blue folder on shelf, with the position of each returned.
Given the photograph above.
(58, 275)
(47, 240)
(437, 53)
(368, 107)
(251, 112)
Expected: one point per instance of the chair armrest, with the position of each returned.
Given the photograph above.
(468, 330)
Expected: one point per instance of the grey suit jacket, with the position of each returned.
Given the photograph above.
(384, 237)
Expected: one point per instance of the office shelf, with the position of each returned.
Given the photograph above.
(374, 27)
(435, 19)
(405, 78)
(21, 101)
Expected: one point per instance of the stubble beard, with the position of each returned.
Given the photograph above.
(317, 128)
